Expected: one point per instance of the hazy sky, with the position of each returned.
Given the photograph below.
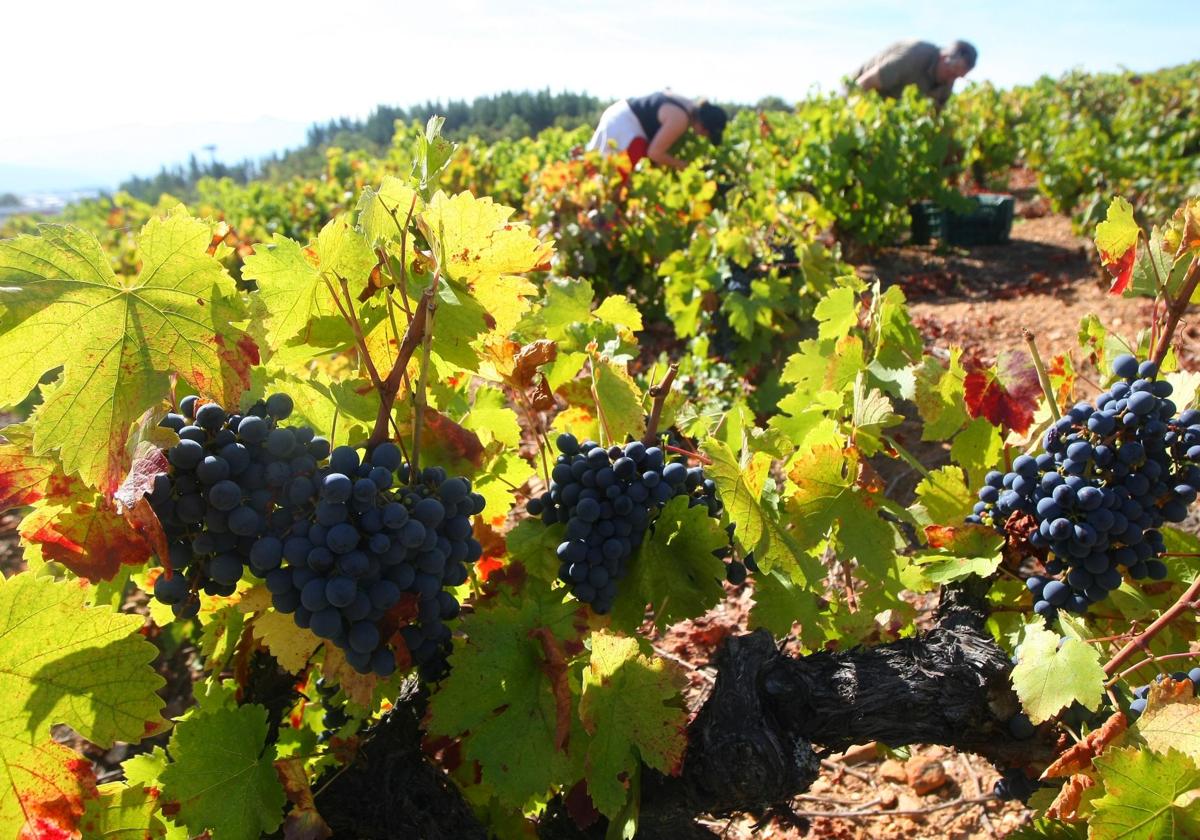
(95, 91)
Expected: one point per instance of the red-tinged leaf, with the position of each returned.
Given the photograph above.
(580, 806)
(1078, 757)
(45, 791)
(26, 478)
(1122, 271)
(1116, 239)
(87, 536)
(140, 479)
(555, 669)
(1066, 804)
(447, 444)
(303, 822)
(963, 539)
(144, 522)
(237, 358)
(1006, 394)
(530, 357)
(487, 566)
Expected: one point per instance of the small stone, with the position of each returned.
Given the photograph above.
(908, 802)
(893, 771)
(925, 774)
(857, 754)
(888, 798)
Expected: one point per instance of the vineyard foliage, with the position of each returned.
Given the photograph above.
(473, 303)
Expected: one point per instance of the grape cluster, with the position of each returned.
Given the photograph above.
(1112, 473)
(1138, 705)
(228, 473)
(607, 498)
(359, 543)
(337, 543)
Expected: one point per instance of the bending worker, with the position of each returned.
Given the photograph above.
(648, 126)
(931, 68)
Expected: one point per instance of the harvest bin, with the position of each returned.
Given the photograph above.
(989, 222)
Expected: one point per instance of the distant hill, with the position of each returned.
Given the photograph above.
(505, 115)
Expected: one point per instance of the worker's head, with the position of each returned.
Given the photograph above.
(956, 61)
(710, 121)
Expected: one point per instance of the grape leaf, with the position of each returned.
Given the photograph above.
(620, 402)
(619, 311)
(1147, 796)
(289, 288)
(1116, 240)
(492, 420)
(117, 339)
(960, 551)
(978, 448)
(128, 812)
(565, 302)
(779, 604)
(871, 414)
(943, 496)
(533, 545)
(828, 494)
(63, 662)
(479, 246)
(222, 774)
(46, 789)
(85, 533)
(898, 343)
(1049, 678)
(675, 569)
(837, 314)
(294, 282)
(383, 213)
(291, 645)
(1006, 393)
(632, 709)
(939, 396)
(24, 477)
(758, 529)
(303, 821)
(1171, 725)
(501, 701)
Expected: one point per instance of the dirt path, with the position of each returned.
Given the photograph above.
(981, 298)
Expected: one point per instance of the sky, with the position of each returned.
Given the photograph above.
(96, 91)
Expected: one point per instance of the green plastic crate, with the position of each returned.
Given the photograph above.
(988, 223)
(927, 220)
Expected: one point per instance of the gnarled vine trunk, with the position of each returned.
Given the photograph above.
(757, 741)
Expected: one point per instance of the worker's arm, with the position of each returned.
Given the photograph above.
(673, 122)
(869, 80)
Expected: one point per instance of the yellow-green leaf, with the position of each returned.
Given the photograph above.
(1147, 796)
(632, 709)
(1051, 677)
(117, 338)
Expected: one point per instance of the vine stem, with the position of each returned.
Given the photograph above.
(699, 456)
(1150, 660)
(414, 334)
(1175, 311)
(429, 304)
(605, 434)
(906, 456)
(1140, 641)
(659, 392)
(1043, 377)
(350, 318)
